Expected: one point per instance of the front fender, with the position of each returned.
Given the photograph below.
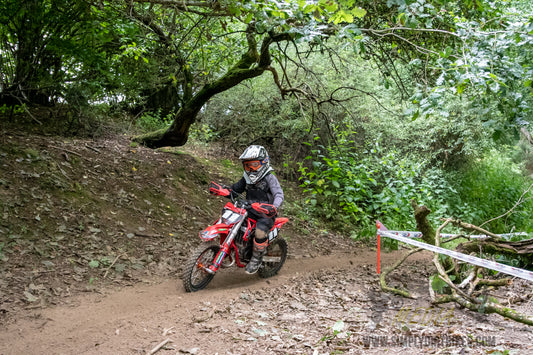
(214, 231)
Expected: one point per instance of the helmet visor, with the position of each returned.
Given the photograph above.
(251, 165)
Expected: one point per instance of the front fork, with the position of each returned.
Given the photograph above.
(225, 248)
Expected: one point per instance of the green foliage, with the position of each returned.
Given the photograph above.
(489, 188)
(226, 163)
(357, 188)
(253, 112)
(56, 34)
(202, 132)
(107, 53)
(437, 284)
(152, 121)
(337, 329)
(351, 186)
(5, 110)
(492, 71)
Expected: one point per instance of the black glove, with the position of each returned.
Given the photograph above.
(264, 209)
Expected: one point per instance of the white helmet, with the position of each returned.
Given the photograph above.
(255, 162)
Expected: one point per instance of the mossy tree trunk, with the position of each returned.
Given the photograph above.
(252, 64)
(422, 224)
(523, 249)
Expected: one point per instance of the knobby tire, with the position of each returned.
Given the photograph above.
(277, 248)
(194, 277)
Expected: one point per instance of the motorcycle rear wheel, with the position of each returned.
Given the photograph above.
(277, 253)
(195, 277)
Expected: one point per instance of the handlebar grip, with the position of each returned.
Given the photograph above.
(218, 190)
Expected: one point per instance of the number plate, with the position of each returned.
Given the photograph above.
(273, 234)
(231, 217)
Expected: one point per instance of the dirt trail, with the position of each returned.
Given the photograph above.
(133, 319)
(294, 312)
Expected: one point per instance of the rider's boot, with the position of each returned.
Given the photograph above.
(260, 246)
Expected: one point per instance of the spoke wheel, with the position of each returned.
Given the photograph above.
(274, 258)
(195, 277)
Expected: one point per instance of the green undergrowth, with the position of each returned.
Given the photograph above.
(352, 188)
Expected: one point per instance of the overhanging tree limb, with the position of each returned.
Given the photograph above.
(252, 64)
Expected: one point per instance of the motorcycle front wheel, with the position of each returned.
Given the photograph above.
(274, 258)
(195, 277)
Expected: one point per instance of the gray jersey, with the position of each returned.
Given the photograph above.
(266, 190)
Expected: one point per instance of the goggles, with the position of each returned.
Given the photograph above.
(252, 165)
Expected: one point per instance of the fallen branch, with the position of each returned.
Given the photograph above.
(476, 228)
(113, 263)
(68, 151)
(422, 224)
(469, 278)
(385, 272)
(92, 148)
(147, 235)
(159, 346)
(470, 300)
(207, 317)
(440, 268)
(487, 308)
(476, 298)
(167, 331)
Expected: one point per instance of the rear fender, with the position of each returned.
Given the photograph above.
(275, 230)
(214, 231)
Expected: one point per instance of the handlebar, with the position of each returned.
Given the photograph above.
(242, 204)
(238, 200)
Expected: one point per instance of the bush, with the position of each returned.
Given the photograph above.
(489, 188)
(348, 188)
(152, 121)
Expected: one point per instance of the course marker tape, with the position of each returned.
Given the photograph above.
(408, 234)
(506, 269)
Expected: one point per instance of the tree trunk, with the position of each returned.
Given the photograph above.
(422, 224)
(251, 65)
(178, 132)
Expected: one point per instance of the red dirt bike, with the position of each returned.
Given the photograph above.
(230, 241)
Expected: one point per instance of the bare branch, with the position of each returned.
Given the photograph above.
(419, 48)
(384, 274)
(520, 200)
(372, 95)
(474, 227)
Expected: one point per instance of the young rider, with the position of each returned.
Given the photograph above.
(264, 193)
